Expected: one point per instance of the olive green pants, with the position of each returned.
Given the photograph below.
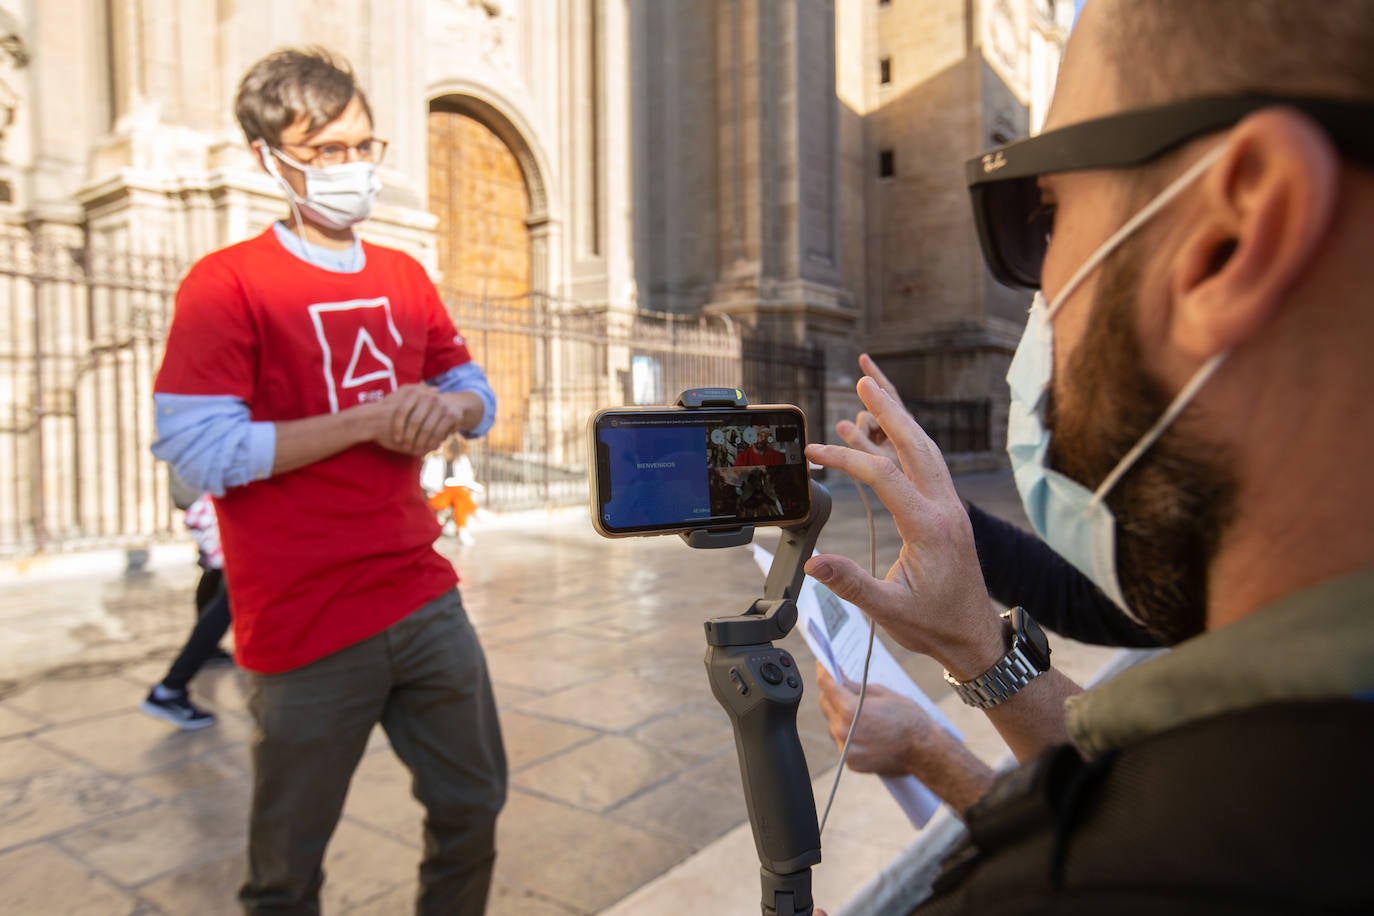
(425, 680)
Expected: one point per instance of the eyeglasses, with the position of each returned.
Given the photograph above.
(1014, 228)
(327, 154)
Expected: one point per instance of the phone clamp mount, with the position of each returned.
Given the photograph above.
(760, 689)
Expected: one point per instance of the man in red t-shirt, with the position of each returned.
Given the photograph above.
(760, 451)
(306, 374)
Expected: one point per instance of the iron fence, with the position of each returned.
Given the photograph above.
(554, 363)
(956, 426)
(79, 343)
(780, 372)
(82, 332)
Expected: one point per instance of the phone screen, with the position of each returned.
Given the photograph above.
(677, 470)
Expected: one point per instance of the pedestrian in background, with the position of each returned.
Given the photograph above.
(170, 698)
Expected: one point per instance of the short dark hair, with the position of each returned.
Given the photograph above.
(1166, 50)
(292, 83)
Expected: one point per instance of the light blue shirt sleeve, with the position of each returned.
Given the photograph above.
(470, 377)
(212, 442)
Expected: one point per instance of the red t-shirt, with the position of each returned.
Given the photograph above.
(753, 456)
(325, 556)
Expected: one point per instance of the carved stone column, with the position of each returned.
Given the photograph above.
(778, 166)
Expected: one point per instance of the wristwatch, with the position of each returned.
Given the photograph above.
(1027, 659)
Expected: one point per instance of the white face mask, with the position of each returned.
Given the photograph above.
(338, 196)
(1073, 520)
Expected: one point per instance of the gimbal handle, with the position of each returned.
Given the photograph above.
(760, 688)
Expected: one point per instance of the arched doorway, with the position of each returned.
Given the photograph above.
(479, 192)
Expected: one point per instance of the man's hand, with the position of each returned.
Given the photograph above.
(895, 737)
(413, 419)
(416, 419)
(864, 433)
(933, 599)
(890, 734)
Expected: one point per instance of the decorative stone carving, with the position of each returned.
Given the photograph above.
(13, 47)
(14, 56)
(480, 30)
(1005, 25)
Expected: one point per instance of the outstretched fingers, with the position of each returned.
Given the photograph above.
(880, 472)
(886, 472)
(870, 369)
(864, 434)
(919, 455)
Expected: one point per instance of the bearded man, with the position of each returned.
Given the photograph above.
(1191, 427)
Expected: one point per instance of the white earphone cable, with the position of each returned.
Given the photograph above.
(868, 656)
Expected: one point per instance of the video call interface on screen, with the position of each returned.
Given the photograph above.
(668, 470)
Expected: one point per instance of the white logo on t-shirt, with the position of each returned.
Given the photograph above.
(354, 327)
(366, 346)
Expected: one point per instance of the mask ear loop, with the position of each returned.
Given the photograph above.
(1135, 222)
(1176, 187)
(1175, 408)
(269, 162)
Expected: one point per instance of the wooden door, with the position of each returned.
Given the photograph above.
(478, 191)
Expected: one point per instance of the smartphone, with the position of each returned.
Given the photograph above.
(666, 470)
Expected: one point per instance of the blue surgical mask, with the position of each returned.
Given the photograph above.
(1074, 520)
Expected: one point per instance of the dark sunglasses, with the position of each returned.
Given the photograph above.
(1014, 228)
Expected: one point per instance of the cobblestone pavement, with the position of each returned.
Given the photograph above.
(621, 763)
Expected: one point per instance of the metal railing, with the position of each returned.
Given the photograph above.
(82, 334)
(956, 426)
(553, 363)
(80, 340)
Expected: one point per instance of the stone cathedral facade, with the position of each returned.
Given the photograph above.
(790, 169)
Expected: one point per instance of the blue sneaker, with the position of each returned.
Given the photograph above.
(178, 710)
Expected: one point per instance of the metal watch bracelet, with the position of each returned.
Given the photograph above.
(999, 683)
(1027, 658)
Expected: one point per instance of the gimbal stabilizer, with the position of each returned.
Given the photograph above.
(760, 688)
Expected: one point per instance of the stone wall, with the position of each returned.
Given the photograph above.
(959, 81)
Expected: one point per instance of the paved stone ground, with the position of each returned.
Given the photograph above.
(622, 765)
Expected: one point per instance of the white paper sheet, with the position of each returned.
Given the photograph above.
(837, 633)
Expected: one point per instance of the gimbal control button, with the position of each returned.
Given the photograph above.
(739, 683)
(793, 682)
(785, 660)
(770, 673)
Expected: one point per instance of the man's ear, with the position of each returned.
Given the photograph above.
(260, 153)
(1267, 205)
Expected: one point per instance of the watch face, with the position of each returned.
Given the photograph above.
(1037, 644)
(718, 436)
(751, 435)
